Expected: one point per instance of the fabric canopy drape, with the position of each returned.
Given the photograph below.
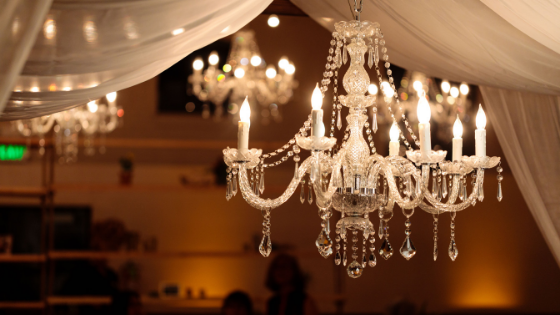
(87, 49)
(511, 48)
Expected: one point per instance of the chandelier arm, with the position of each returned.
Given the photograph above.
(394, 192)
(438, 207)
(324, 198)
(262, 204)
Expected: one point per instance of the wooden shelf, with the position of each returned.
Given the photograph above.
(23, 191)
(79, 300)
(23, 305)
(71, 255)
(22, 258)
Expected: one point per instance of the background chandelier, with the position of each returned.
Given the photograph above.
(98, 117)
(244, 74)
(352, 178)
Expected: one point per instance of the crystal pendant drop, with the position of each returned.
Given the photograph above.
(339, 121)
(296, 170)
(381, 229)
(439, 193)
(364, 260)
(452, 251)
(480, 192)
(435, 251)
(374, 123)
(461, 191)
(434, 188)
(418, 190)
(337, 258)
(266, 246)
(324, 244)
(376, 55)
(355, 269)
(339, 58)
(444, 188)
(302, 194)
(500, 192)
(344, 260)
(372, 260)
(310, 195)
(234, 186)
(386, 251)
(261, 184)
(345, 55)
(228, 191)
(370, 57)
(407, 249)
(465, 195)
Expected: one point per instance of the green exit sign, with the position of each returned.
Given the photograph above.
(12, 152)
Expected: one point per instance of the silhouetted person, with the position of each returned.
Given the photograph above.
(126, 303)
(237, 303)
(286, 280)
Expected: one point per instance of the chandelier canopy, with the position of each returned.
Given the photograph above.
(351, 177)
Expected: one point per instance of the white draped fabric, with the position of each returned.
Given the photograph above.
(87, 49)
(528, 128)
(511, 48)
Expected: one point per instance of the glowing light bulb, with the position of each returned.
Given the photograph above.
(290, 69)
(283, 63)
(111, 97)
(239, 73)
(271, 72)
(178, 31)
(457, 128)
(273, 20)
(423, 110)
(213, 59)
(198, 64)
(387, 89)
(394, 133)
(245, 111)
(454, 92)
(92, 106)
(317, 98)
(417, 85)
(256, 60)
(372, 89)
(464, 88)
(445, 86)
(480, 118)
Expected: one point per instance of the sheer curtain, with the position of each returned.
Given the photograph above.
(528, 128)
(87, 49)
(20, 20)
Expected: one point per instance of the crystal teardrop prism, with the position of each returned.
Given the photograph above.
(266, 246)
(435, 251)
(370, 57)
(381, 229)
(228, 191)
(480, 192)
(439, 193)
(338, 58)
(339, 121)
(344, 260)
(302, 194)
(407, 249)
(310, 195)
(500, 192)
(261, 184)
(386, 251)
(465, 195)
(444, 187)
(355, 269)
(418, 190)
(345, 55)
(461, 191)
(234, 186)
(324, 244)
(337, 258)
(374, 123)
(296, 170)
(372, 260)
(376, 55)
(452, 250)
(434, 188)
(364, 260)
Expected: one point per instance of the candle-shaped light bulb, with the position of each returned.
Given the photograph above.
(317, 98)
(394, 143)
(111, 97)
(480, 133)
(213, 59)
(243, 127)
(317, 112)
(423, 110)
(457, 140)
(480, 118)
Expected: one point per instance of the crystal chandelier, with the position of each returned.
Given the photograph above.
(352, 178)
(98, 117)
(244, 74)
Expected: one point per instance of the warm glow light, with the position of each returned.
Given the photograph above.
(178, 31)
(290, 69)
(283, 63)
(92, 106)
(445, 86)
(239, 73)
(464, 88)
(227, 67)
(372, 89)
(394, 133)
(273, 20)
(457, 128)
(245, 111)
(480, 118)
(256, 60)
(90, 31)
(387, 89)
(454, 92)
(271, 72)
(111, 97)
(417, 85)
(213, 59)
(198, 64)
(35, 89)
(423, 110)
(317, 98)
(49, 29)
